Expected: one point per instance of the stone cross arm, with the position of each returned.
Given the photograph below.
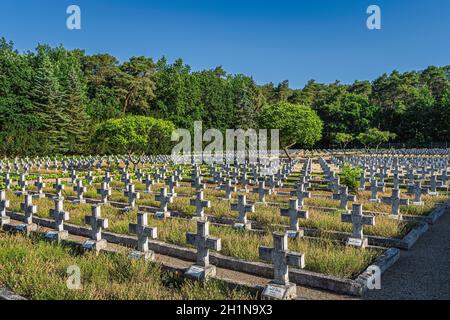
(365, 220)
(143, 230)
(97, 222)
(293, 259)
(208, 242)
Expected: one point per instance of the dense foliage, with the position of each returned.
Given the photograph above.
(133, 135)
(52, 99)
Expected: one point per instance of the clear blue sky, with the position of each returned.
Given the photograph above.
(269, 40)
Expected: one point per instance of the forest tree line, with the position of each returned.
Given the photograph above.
(53, 99)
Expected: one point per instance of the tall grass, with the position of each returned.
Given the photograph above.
(38, 270)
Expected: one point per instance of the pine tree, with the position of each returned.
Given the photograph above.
(75, 111)
(46, 98)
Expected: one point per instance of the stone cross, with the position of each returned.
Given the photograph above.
(148, 184)
(80, 190)
(74, 176)
(107, 178)
(7, 182)
(172, 183)
(59, 187)
(89, 178)
(358, 220)
(60, 216)
(23, 183)
(143, 232)
(200, 204)
(433, 185)
(104, 191)
(97, 224)
(40, 185)
(362, 181)
(4, 204)
(281, 258)
(395, 201)
(242, 207)
(301, 193)
(28, 208)
(132, 196)
(203, 243)
(344, 197)
(374, 191)
(164, 199)
(197, 183)
(262, 191)
(417, 191)
(228, 188)
(294, 214)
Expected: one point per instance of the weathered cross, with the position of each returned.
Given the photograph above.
(344, 197)
(281, 258)
(301, 193)
(395, 201)
(200, 204)
(59, 215)
(148, 183)
(28, 208)
(197, 183)
(132, 195)
(7, 182)
(203, 242)
(164, 199)
(23, 183)
(59, 187)
(89, 177)
(228, 188)
(96, 222)
(74, 176)
(40, 185)
(80, 190)
(358, 220)
(242, 207)
(294, 214)
(143, 231)
(104, 191)
(4, 204)
(262, 191)
(172, 183)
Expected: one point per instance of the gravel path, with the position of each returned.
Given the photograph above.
(422, 272)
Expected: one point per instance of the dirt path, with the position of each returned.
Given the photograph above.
(422, 272)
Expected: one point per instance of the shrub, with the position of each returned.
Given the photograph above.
(349, 176)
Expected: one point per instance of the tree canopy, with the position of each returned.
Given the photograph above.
(52, 99)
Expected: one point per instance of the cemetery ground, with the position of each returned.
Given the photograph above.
(136, 232)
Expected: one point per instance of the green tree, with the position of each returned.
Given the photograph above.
(343, 139)
(299, 125)
(375, 137)
(135, 84)
(133, 135)
(47, 103)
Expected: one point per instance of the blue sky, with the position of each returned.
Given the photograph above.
(270, 40)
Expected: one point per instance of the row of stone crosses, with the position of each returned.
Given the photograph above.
(411, 171)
